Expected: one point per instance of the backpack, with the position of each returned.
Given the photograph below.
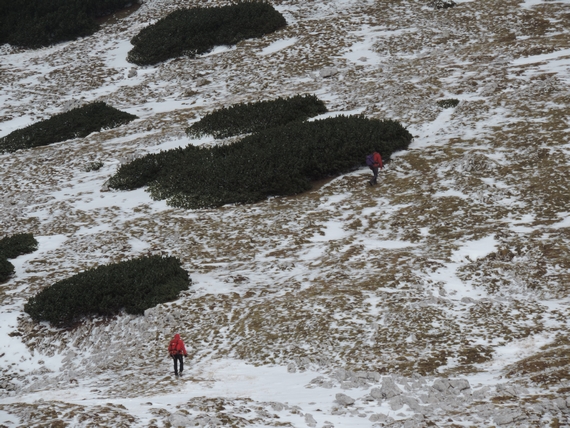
(370, 160)
(173, 347)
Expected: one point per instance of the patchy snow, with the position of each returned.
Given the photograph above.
(454, 267)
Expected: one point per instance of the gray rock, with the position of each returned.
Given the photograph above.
(389, 388)
(202, 81)
(349, 385)
(277, 407)
(342, 375)
(412, 403)
(378, 417)
(309, 420)
(328, 72)
(344, 399)
(561, 403)
(374, 376)
(481, 393)
(320, 381)
(460, 385)
(179, 420)
(441, 385)
(338, 411)
(507, 390)
(509, 416)
(377, 394)
(396, 403)
(430, 398)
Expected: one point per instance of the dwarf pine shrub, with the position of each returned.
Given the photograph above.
(197, 30)
(448, 103)
(16, 245)
(133, 286)
(6, 269)
(76, 123)
(277, 161)
(12, 247)
(38, 23)
(245, 118)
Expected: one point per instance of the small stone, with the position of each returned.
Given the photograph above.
(309, 420)
(344, 399)
(202, 81)
(277, 406)
(328, 72)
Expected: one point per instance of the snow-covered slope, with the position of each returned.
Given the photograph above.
(437, 298)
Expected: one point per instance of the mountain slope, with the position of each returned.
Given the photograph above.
(437, 297)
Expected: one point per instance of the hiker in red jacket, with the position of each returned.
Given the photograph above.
(177, 352)
(374, 161)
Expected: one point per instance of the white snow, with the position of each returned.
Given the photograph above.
(330, 238)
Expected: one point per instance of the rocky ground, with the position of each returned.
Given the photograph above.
(437, 298)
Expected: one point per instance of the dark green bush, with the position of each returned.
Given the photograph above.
(76, 123)
(12, 247)
(254, 117)
(133, 285)
(6, 269)
(197, 30)
(276, 161)
(449, 103)
(37, 23)
(16, 245)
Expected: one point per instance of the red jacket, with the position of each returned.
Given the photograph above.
(377, 160)
(176, 346)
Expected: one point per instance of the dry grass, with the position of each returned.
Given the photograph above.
(273, 293)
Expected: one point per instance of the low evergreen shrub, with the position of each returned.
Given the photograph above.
(133, 285)
(277, 161)
(197, 30)
(76, 123)
(12, 247)
(253, 117)
(449, 103)
(443, 4)
(6, 269)
(38, 23)
(16, 245)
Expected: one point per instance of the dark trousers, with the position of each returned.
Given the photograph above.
(178, 359)
(375, 172)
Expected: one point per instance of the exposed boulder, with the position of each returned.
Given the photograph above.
(344, 399)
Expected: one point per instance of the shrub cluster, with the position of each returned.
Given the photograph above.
(276, 161)
(254, 117)
(448, 103)
(197, 30)
(75, 123)
(443, 4)
(12, 247)
(37, 23)
(133, 285)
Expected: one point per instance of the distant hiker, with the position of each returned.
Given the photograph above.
(177, 352)
(374, 161)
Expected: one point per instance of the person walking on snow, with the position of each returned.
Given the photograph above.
(177, 352)
(374, 161)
